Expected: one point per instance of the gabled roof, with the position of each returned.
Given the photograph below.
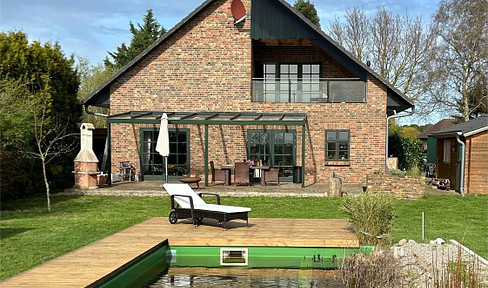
(272, 23)
(468, 128)
(437, 127)
(101, 96)
(396, 99)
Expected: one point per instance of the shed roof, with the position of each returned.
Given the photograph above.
(437, 127)
(263, 28)
(468, 128)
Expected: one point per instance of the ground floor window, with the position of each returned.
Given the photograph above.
(178, 159)
(337, 145)
(270, 147)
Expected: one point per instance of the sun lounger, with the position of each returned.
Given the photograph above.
(191, 205)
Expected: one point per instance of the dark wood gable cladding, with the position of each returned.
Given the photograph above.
(273, 20)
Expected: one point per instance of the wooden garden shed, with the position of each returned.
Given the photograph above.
(462, 155)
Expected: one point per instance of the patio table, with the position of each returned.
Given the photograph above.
(227, 174)
(262, 168)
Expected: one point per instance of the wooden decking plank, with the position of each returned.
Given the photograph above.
(89, 263)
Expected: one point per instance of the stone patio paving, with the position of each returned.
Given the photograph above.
(154, 189)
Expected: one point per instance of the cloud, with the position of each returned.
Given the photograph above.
(90, 28)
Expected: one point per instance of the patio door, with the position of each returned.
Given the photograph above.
(271, 147)
(178, 160)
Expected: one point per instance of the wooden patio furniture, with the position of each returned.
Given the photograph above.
(127, 171)
(272, 175)
(242, 173)
(217, 174)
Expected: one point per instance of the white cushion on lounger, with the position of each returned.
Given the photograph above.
(223, 208)
(198, 203)
(184, 189)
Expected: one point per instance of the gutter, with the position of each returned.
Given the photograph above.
(395, 115)
(93, 113)
(463, 149)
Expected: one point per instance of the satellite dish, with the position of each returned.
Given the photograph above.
(238, 11)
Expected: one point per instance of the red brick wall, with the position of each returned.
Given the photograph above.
(206, 66)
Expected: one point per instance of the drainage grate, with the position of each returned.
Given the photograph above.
(233, 257)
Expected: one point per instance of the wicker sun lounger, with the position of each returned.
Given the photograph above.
(191, 205)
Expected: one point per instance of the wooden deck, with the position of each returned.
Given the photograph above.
(84, 266)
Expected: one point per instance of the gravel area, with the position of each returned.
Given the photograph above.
(419, 262)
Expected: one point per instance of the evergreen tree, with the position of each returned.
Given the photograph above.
(31, 72)
(142, 37)
(308, 10)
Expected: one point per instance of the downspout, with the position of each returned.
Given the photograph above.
(395, 115)
(463, 149)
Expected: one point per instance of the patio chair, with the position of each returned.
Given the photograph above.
(127, 171)
(272, 175)
(242, 173)
(191, 205)
(217, 175)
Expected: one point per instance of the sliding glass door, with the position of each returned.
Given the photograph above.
(271, 147)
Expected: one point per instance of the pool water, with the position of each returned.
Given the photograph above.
(242, 277)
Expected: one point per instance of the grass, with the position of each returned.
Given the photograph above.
(31, 236)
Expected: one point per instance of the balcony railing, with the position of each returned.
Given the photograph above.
(308, 90)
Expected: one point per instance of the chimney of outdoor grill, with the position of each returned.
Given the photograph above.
(86, 162)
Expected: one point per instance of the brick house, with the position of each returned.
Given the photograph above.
(272, 88)
(472, 154)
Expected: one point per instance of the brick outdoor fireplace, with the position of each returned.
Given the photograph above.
(85, 163)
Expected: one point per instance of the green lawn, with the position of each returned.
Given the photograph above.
(31, 236)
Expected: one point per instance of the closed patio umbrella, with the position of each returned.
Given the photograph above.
(162, 145)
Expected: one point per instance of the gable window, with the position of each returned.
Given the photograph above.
(337, 145)
(287, 82)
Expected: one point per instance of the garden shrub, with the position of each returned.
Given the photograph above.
(371, 215)
(378, 270)
(408, 150)
(396, 172)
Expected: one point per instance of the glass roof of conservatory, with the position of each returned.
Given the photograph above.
(210, 118)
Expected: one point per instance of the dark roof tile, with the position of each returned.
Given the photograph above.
(466, 128)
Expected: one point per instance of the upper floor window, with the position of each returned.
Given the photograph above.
(302, 82)
(337, 145)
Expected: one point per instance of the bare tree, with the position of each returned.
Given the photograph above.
(354, 34)
(397, 46)
(51, 139)
(461, 59)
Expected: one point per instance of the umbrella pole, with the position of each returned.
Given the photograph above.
(166, 162)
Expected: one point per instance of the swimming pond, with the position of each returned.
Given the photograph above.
(214, 264)
(239, 277)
